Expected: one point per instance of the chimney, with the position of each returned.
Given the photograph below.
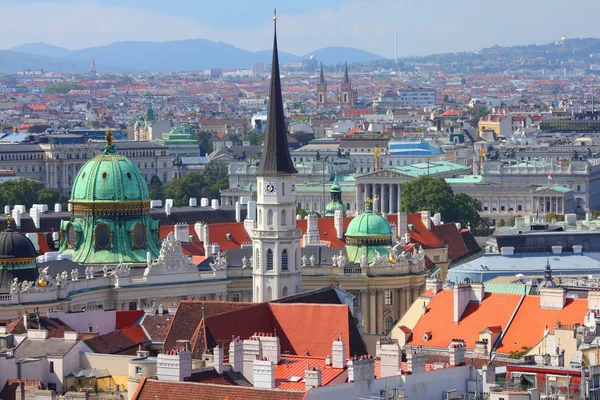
(236, 354)
(557, 249)
(57, 208)
(426, 219)
(461, 299)
(338, 353)
(312, 237)
(168, 206)
(312, 378)
(34, 213)
(456, 352)
(16, 214)
(361, 369)
(328, 360)
(252, 351)
(182, 232)
(402, 224)
(174, 365)
(214, 204)
(218, 359)
(271, 348)
(198, 229)
(204, 202)
(424, 309)
(238, 212)
(435, 284)
(437, 220)
(263, 372)
(577, 249)
(507, 251)
(477, 292)
(553, 298)
(205, 236)
(71, 336)
(338, 223)
(142, 353)
(193, 202)
(391, 360)
(415, 360)
(481, 347)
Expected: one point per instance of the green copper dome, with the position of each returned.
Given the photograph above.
(110, 213)
(109, 177)
(368, 233)
(336, 200)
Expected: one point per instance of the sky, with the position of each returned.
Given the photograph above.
(423, 26)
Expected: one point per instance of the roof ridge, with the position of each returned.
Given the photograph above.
(219, 385)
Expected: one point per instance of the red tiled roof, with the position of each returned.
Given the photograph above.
(290, 366)
(529, 323)
(218, 234)
(327, 230)
(420, 234)
(192, 248)
(450, 113)
(153, 389)
(135, 333)
(119, 341)
(128, 318)
(55, 327)
(188, 316)
(456, 247)
(495, 310)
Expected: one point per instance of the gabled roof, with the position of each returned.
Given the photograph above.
(119, 341)
(55, 327)
(127, 318)
(495, 310)
(150, 389)
(450, 234)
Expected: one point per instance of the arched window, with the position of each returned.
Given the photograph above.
(284, 259)
(389, 323)
(260, 215)
(283, 217)
(284, 292)
(270, 217)
(269, 294)
(257, 258)
(283, 188)
(269, 259)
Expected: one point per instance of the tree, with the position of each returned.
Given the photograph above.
(216, 178)
(554, 216)
(255, 138)
(28, 192)
(436, 195)
(155, 189)
(204, 139)
(63, 87)
(181, 190)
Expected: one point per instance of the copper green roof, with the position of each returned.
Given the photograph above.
(368, 233)
(368, 224)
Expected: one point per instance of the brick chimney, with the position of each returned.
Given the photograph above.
(426, 219)
(236, 354)
(338, 353)
(361, 369)
(391, 360)
(456, 352)
(461, 299)
(263, 372)
(174, 365)
(218, 359)
(415, 360)
(252, 352)
(338, 223)
(435, 284)
(312, 377)
(553, 298)
(271, 347)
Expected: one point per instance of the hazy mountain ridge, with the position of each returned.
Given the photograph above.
(177, 55)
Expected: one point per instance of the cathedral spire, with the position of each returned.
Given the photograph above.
(276, 157)
(346, 80)
(321, 76)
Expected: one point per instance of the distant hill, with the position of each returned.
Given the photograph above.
(13, 61)
(336, 55)
(176, 55)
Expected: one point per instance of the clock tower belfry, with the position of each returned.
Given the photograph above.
(276, 239)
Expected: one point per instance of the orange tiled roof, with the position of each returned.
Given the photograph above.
(290, 366)
(150, 389)
(528, 326)
(135, 333)
(128, 318)
(495, 310)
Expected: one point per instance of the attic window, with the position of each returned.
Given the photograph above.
(129, 174)
(411, 227)
(426, 336)
(294, 379)
(228, 235)
(104, 175)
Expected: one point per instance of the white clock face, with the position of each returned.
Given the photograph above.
(270, 188)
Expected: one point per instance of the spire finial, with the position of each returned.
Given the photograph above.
(109, 137)
(9, 221)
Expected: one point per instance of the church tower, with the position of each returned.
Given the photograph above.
(321, 89)
(348, 95)
(276, 239)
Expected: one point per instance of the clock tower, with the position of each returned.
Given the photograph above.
(276, 239)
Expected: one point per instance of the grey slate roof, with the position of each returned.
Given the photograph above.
(41, 348)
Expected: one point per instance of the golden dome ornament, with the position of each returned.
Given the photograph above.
(42, 283)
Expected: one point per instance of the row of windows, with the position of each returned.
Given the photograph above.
(284, 259)
(270, 220)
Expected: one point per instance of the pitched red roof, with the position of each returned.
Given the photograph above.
(290, 366)
(237, 235)
(327, 230)
(128, 317)
(150, 389)
(124, 340)
(495, 310)
(450, 234)
(193, 247)
(420, 234)
(56, 328)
